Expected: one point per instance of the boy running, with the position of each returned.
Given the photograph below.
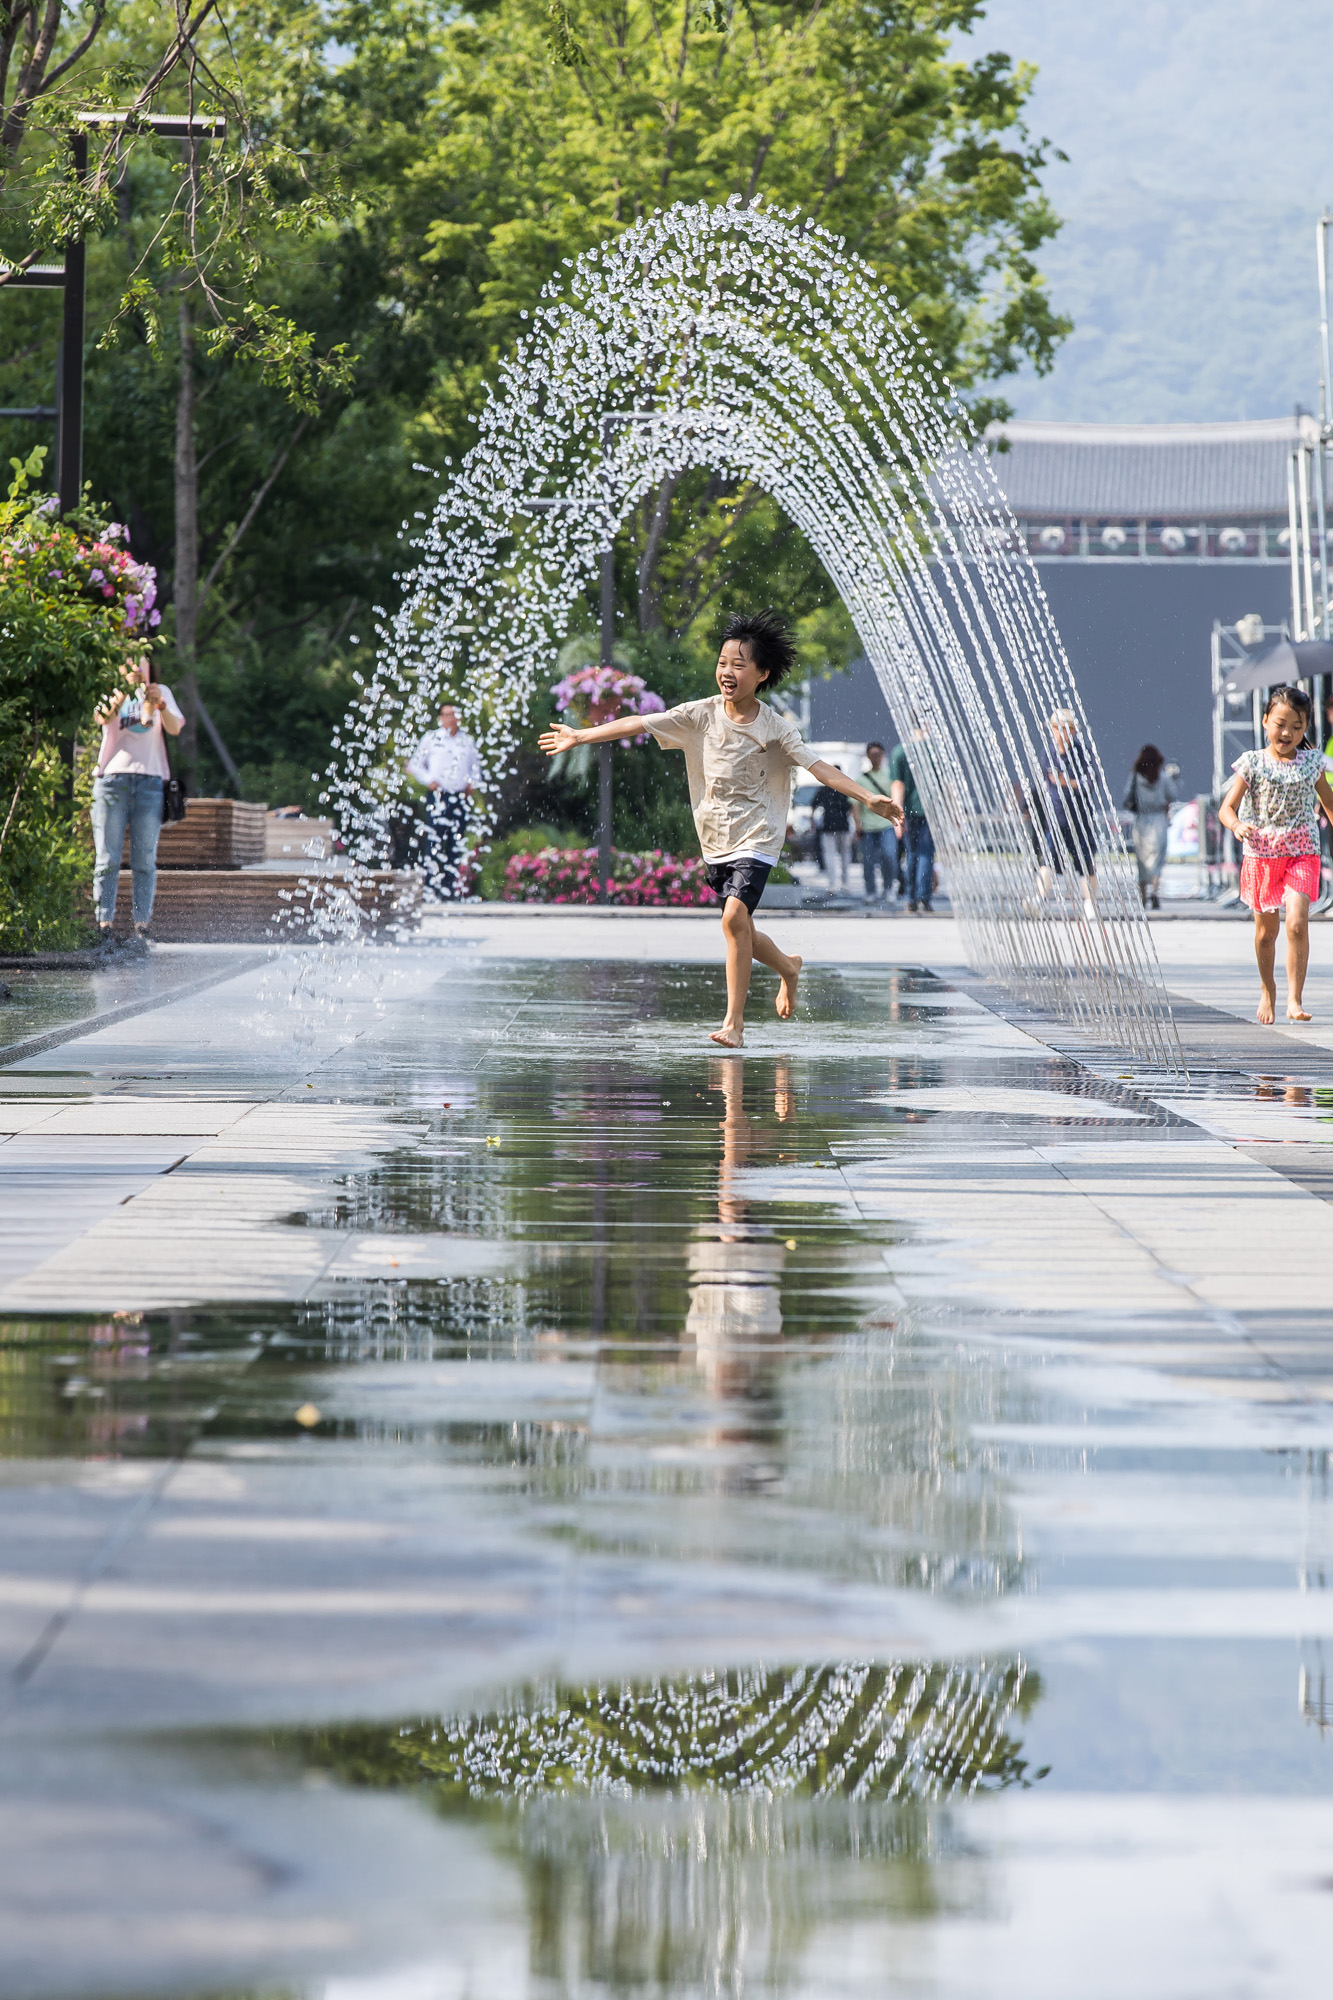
(739, 757)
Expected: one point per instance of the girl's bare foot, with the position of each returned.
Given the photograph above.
(1264, 1011)
(730, 1038)
(787, 990)
(1295, 1011)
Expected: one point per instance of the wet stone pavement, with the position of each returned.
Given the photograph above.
(500, 1500)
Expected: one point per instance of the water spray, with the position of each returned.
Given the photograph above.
(751, 341)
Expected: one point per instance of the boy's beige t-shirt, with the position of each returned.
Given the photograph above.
(739, 773)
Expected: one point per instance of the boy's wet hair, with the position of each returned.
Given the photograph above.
(1289, 697)
(769, 641)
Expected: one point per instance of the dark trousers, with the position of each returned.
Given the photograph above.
(920, 859)
(879, 850)
(446, 818)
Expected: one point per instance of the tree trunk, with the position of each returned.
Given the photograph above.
(185, 583)
(650, 599)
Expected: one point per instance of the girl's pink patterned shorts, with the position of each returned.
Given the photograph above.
(1265, 881)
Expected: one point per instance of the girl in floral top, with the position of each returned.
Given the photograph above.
(1272, 808)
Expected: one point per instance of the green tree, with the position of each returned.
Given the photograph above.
(436, 167)
(197, 236)
(72, 601)
(555, 125)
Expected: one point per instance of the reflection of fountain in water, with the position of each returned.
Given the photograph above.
(691, 1833)
(745, 341)
(853, 1730)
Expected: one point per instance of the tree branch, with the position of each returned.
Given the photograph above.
(80, 48)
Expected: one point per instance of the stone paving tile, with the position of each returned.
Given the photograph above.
(897, 1341)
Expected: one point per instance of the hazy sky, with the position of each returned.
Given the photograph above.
(1200, 146)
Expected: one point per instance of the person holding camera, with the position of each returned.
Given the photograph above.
(132, 770)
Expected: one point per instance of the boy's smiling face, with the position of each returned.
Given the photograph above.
(738, 678)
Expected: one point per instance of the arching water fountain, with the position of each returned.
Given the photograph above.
(750, 341)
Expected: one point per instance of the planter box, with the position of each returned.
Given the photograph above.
(215, 833)
(257, 905)
(297, 840)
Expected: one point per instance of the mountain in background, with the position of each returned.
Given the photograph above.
(1200, 155)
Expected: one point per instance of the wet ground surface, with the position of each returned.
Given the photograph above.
(44, 1001)
(514, 1503)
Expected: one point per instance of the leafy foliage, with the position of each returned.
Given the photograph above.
(221, 196)
(46, 861)
(69, 600)
(71, 605)
(397, 183)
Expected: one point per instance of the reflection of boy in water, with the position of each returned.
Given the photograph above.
(735, 1306)
(739, 756)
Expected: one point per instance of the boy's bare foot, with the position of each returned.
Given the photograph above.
(1295, 1011)
(1264, 1011)
(730, 1038)
(787, 990)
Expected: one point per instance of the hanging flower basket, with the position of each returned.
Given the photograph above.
(592, 695)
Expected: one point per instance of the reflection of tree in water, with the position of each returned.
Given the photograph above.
(692, 1834)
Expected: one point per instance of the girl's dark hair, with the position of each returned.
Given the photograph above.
(1148, 763)
(1288, 697)
(769, 641)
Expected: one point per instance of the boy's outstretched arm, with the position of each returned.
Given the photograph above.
(829, 774)
(562, 737)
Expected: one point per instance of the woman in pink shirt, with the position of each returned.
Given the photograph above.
(132, 768)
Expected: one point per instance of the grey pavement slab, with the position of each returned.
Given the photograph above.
(530, 1504)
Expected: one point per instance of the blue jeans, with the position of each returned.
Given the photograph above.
(879, 849)
(920, 859)
(126, 800)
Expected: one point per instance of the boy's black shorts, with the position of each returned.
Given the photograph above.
(743, 879)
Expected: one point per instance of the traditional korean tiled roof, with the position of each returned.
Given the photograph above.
(1182, 472)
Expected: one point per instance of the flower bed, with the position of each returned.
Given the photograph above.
(643, 881)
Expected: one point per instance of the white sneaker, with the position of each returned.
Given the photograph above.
(1090, 909)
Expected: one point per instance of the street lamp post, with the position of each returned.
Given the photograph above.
(541, 505)
(604, 750)
(71, 278)
(610, 420)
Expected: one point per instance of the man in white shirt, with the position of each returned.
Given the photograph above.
(446, 763)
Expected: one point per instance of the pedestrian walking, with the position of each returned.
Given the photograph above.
(131, 774)
(446, 763)
(739, 759)
(1273, 809)
(879, 842)
(1070, 810)
(833, 811)
(917, 837)
(1149, 794)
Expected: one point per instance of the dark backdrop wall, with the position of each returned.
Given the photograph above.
(1139, 638)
